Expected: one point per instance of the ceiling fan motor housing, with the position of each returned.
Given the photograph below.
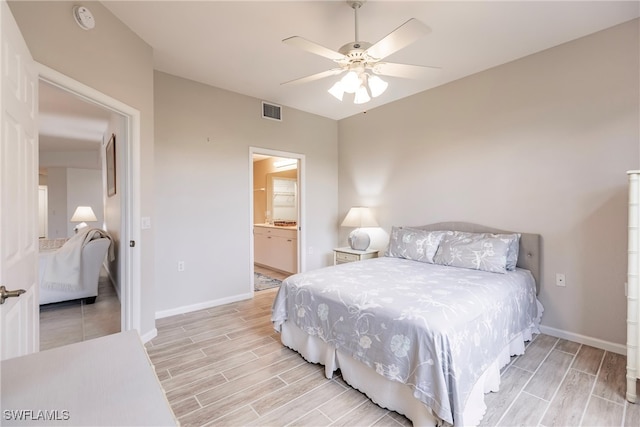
(355, 52)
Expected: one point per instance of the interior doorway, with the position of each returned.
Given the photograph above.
(120, 211)
(72, 134)
(277, 216)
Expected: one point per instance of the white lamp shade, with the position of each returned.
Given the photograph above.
(359, 217)
(83, 213)
(337, 90)
(377, 85)
(350, 82)
(361, 96)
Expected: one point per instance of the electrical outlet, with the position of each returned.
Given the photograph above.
(561, 279)
(180, 265)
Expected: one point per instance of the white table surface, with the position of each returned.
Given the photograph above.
(108, 381)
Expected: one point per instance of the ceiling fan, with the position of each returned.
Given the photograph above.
(363, 61)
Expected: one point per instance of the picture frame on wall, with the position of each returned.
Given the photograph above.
(110, 155)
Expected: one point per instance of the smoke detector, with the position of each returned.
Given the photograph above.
(84, 17)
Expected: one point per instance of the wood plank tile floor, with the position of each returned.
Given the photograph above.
(226, 366)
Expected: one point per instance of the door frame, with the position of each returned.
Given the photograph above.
(130, 200)
(301, 205)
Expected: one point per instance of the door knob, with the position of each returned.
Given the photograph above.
(4, 293)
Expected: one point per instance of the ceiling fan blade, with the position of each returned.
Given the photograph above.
(313, 47)
(316, 76)
(402, 70)
(402, 36)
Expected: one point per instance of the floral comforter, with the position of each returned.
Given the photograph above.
(434, 328)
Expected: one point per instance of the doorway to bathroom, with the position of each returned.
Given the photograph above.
(276, 216)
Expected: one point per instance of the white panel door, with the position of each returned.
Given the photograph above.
(19, 316)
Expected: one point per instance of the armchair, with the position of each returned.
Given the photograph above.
(93, 255)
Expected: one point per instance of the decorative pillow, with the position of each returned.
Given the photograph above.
(478, 251)
(413, 244)
(513, 240)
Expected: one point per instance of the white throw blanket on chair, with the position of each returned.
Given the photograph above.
(63, 268)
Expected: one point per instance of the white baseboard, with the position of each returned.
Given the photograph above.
(582, 339)
(201, 306)
(149, 335)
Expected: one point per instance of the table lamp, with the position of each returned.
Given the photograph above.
(82, 214)
(359, 217)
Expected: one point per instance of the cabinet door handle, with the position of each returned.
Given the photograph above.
(288, 240)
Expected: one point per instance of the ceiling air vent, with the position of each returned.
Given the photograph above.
(271, 111)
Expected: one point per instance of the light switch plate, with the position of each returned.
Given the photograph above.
(145, 222)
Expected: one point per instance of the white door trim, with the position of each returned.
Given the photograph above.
(130, 209)
(302, 261)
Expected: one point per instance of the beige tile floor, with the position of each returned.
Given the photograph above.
(74, 321)
(226, 366)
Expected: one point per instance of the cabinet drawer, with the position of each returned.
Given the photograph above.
(345, 257)
(279, 232)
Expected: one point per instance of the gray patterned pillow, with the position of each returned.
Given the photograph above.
(478, 251)
(413, 244)
(513, 240)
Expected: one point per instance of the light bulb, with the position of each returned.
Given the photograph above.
(337, 90)
(361, 95)
(350, 82)
(377, 85)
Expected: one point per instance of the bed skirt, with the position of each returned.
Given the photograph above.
(394, 395)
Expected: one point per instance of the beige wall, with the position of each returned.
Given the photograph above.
(539, 145)
(115, 61)
(113, 204)
(57, 203)
(84, 188)
(203, 136)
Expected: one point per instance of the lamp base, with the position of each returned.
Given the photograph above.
(359, 240)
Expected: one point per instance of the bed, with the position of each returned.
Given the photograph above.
(424, 330)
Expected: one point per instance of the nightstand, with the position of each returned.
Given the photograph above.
(346, 254)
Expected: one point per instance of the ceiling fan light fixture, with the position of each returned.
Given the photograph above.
(362, 95)
(337, 90)
(351, 82)
(377, 86)
(359, 57)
